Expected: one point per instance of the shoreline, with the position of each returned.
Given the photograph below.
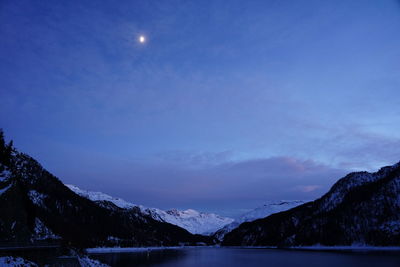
(344, 248)
(132, 249)
(99, 250)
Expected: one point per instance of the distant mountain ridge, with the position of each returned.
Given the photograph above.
(193, 221)
(260, 212)
(360, 209)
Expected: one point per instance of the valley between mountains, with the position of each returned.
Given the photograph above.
(360, 209)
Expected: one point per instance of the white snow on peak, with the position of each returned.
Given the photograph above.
(99, 196)
(268, 209)
(193, 221)
(258, 213)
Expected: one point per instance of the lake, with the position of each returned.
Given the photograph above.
(249, 257)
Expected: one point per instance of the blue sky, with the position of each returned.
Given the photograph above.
(227, 105)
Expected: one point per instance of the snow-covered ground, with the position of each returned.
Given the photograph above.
(350, 248)
(9, 261)
(15, 262)
(88, 262)
(194, 221)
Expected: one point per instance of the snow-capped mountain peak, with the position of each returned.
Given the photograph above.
(99, 196)
(268, 209)
(193, 221)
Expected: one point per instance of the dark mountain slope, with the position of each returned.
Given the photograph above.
(35, 205)
(360, 209)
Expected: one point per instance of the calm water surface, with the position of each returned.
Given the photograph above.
(235, 257)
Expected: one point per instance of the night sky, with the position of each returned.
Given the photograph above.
(226, 105)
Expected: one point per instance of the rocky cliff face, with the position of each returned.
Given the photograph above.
(360, 209)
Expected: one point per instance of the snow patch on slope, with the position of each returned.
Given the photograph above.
(258, 213)
(42, 232)
(193, 221)
(36, 197)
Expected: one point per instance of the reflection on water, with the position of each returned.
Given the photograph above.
(235, 257)
(143, 258)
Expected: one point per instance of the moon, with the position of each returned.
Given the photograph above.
(142, 39)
